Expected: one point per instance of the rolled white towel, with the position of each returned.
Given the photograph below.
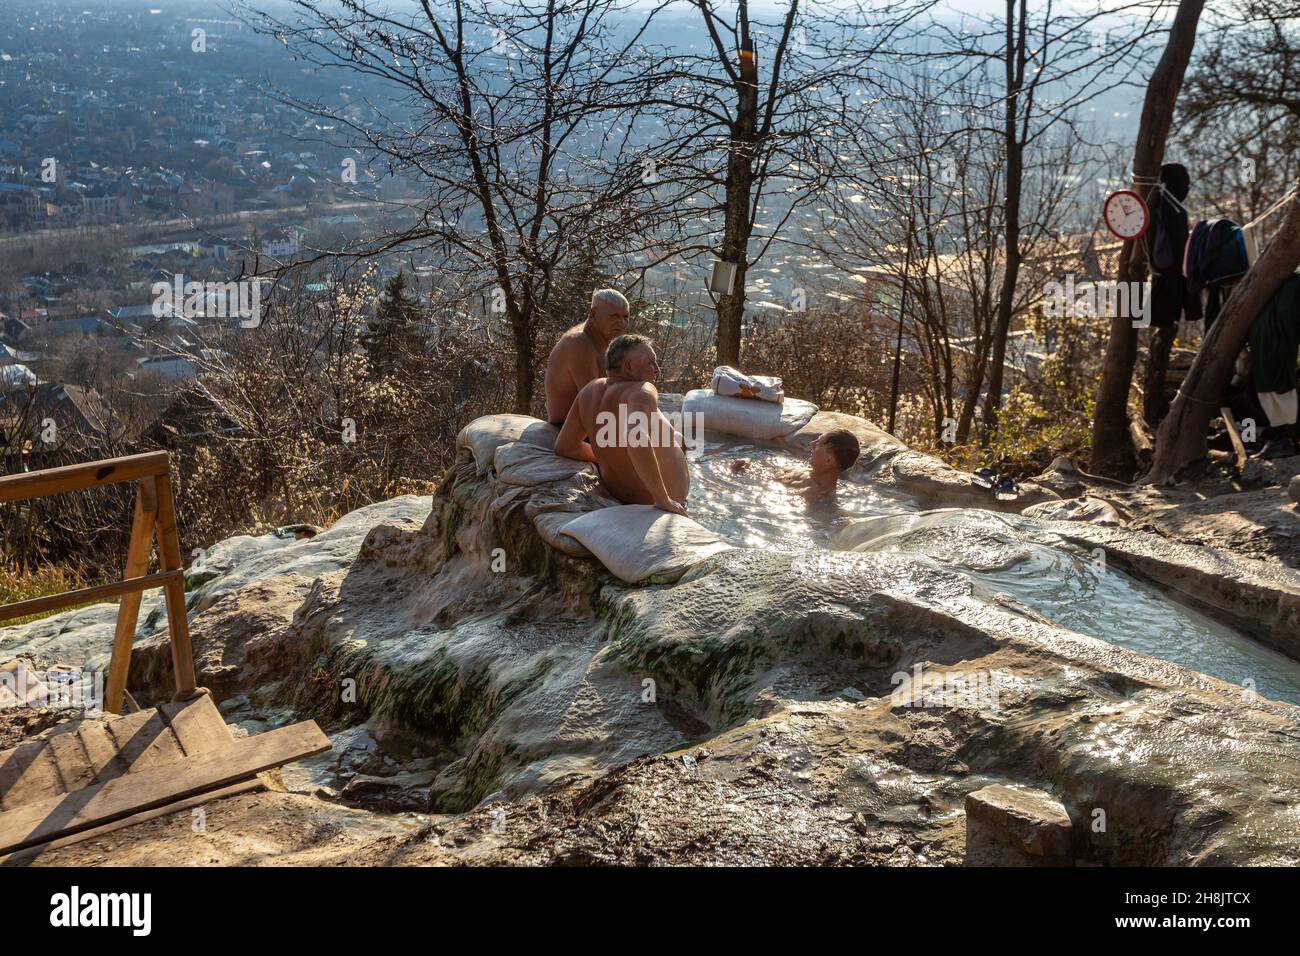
(734, 383)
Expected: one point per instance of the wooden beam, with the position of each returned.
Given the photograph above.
(93, 595)
(1234, 436)
(93, 806)
(94, 474)
(24, 857)
(169, 555)
(197, 724)
(128, 611)
(27, 773)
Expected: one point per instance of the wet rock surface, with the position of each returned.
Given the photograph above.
(1016, 826)
(501, 700)
(1254, 515)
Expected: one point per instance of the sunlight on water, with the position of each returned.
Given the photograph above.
(754, 510)
(1073, 592)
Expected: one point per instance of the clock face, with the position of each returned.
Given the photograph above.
(1126, 214)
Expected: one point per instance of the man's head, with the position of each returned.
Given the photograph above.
(632, 356)
(837, 449)
(607, 316)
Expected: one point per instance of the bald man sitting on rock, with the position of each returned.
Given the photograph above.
(579, 356)
(640, 456)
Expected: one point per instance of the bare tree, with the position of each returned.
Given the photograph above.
(1112, 444)
(1051, 64)
(933, 224)
(517, 117)
(760, 120)
(1181, 439)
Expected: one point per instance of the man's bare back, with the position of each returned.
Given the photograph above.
(579, 355)
(574, 362)
(641, 457)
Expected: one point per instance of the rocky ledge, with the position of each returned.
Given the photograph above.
(496, 696)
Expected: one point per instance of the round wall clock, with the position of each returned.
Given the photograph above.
(1126, 215)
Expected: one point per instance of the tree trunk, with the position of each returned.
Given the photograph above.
(523, 367)
(1011, 270)
(1112, 446)
(974, 379)
(1182, 436)
(736, 216)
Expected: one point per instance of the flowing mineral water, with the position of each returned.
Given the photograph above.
(1075, 591)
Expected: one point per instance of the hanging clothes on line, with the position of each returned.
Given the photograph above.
(1215, 258)
(1171, 299)
(1274, 345)
(1170, 295)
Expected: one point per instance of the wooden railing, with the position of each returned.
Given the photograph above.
(154, 513)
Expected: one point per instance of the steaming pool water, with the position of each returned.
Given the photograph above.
(753, 510)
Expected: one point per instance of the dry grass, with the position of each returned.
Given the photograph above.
(18, 586)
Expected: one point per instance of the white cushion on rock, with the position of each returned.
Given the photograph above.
(551, 524)
(640, 543)
(746, 417)
(522, 463)
(484, 435)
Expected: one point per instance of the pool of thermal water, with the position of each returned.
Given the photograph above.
(753, 510)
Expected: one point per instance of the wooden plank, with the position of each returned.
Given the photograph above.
(128, 611)
(92, 474)
(27, 774)
(133, 793)
(197, 725)
(1235, 437)
(70, 761)
(24, 857)
(178, 625)
(101, 750)
(146, 743)
(93, 595)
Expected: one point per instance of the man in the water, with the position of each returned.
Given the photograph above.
(829, 456)
(579, 355)
(647, 464)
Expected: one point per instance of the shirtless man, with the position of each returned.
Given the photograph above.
(646, 466)
(579, 356)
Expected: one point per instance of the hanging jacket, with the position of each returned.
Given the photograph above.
(1170, 296)
(1169, 219)
(1275, 340)
(1216, 252)
(1215, 258)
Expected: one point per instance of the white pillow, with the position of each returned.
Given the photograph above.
(640, 543)
(521, 463)
(746, 417)
(484, 435)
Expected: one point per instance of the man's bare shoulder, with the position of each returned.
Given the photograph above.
(645, 394)
(592, 390)
(575, 340)
(562, 347)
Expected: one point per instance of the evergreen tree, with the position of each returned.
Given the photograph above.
(393, 338)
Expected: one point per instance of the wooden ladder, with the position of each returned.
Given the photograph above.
(85, 776)
(154, 512)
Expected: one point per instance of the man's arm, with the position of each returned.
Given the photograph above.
(642, 455)
(570, 441)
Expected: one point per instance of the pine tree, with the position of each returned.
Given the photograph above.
(393, 338)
